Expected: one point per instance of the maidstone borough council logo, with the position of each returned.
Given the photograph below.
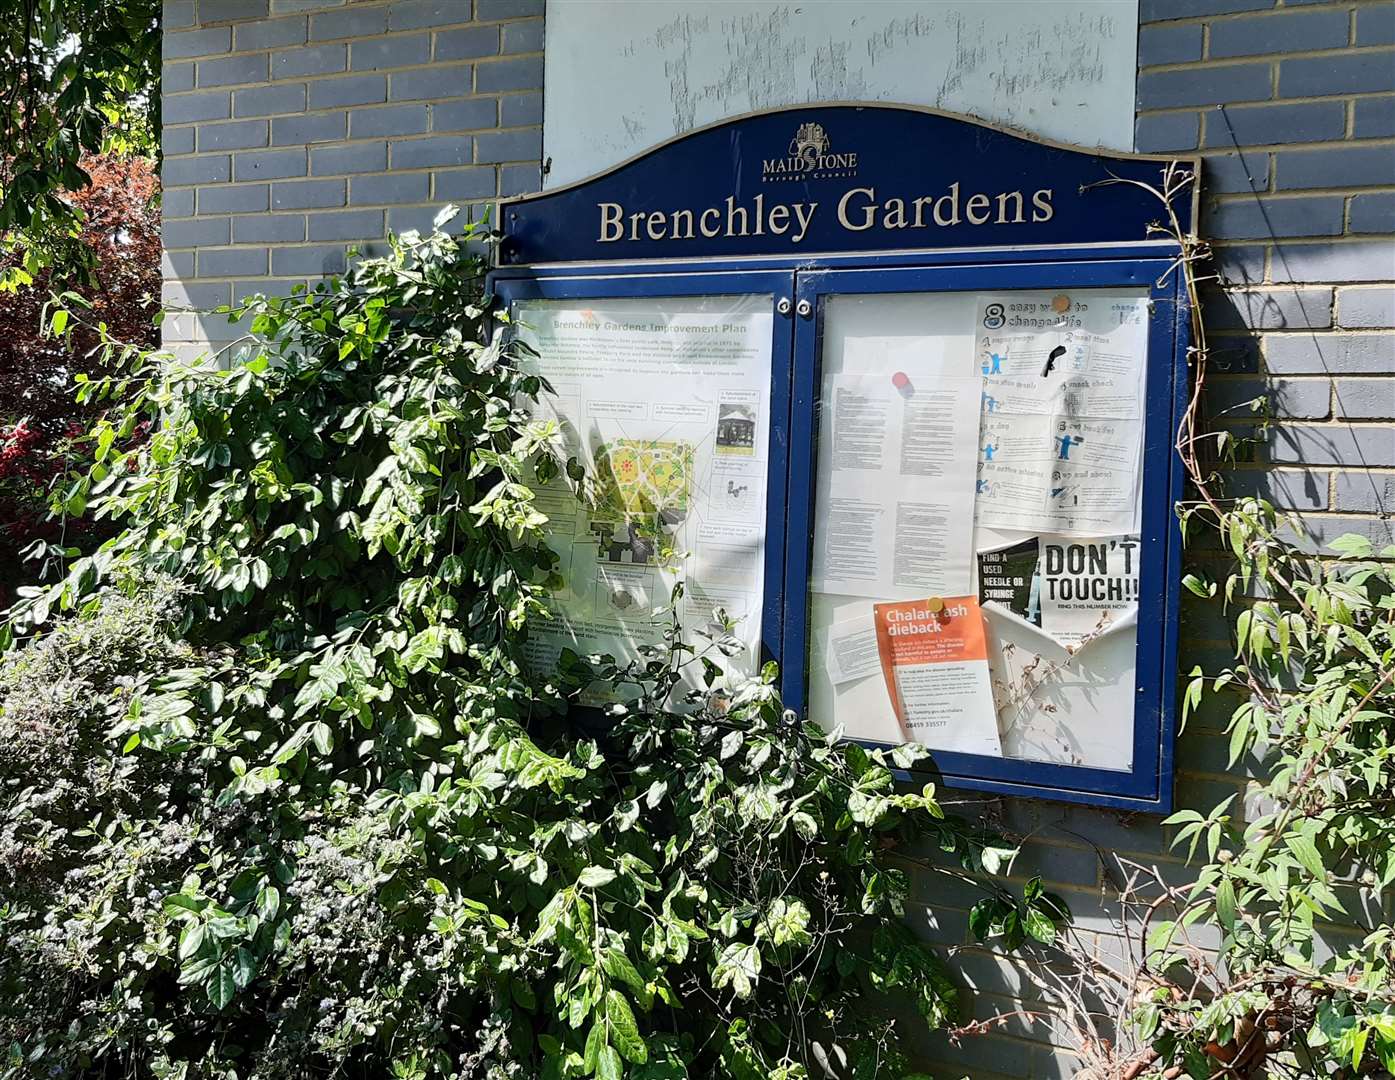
(809, 157)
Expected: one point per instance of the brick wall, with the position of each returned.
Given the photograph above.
(1293, 108)
(295, 129)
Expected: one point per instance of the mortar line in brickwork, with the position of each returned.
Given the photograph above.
(1220, 63)
(1241, 16)
(1255, 105)
(1347, 240)
(1284, 194)
(1386, 143)
(348, 72)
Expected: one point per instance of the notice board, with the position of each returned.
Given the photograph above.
(897, 407)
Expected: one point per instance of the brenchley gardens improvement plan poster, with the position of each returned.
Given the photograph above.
(665, 403)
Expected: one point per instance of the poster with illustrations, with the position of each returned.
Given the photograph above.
(665, 404)
(1062, 411)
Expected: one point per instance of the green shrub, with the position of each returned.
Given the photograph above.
(321, 821)
(1286, 877)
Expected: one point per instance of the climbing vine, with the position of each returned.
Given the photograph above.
(1295, 879)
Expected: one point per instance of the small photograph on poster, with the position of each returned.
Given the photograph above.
(1087, 586)
(736, 429)
(1010, 577)
(935, 661)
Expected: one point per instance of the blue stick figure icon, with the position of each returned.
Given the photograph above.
(990, 403)
(982, 488)
(1064, 444)
(989, 451)
(993, 365)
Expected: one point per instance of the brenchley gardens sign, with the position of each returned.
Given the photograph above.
(837, 178)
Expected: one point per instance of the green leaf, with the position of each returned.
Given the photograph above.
(595, 1043)
(1225, 903)
(981, 919)
(618, 966)
(221, 986)
(1306, 852)
(624, 1032)
(322, 686)
(244, 967)
(738, 967)
(190, 939)
(609, 1065)
(593, 877)
(1040, 927)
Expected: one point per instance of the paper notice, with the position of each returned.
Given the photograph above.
(1062, 429)
(896, 486)
(850, 650)
(1087, 586)
(1009, 577)
(1054, 356)
(935, 661)
(666, 405)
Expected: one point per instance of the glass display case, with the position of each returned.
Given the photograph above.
(934, 485)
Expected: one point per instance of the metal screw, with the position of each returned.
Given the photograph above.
(783, 306)
(805, 309)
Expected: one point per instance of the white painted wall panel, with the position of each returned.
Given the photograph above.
(623, 75)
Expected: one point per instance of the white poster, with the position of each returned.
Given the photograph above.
(1087, 585)
(1071, 706)
(665, 404)
(850, 649)
(1062, 412)
(896, 486)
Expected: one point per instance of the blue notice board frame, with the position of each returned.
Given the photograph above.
(1102, 234)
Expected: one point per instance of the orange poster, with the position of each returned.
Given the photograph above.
(935, 661)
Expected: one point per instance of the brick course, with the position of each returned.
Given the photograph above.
(297, 128)
(366, 116)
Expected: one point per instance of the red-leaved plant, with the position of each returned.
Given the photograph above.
(42, 427)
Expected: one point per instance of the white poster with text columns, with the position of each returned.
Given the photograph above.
(665, 403)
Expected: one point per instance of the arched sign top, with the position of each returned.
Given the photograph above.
(832, 179)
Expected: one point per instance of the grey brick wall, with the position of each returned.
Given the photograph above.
(1292, 106)
(295, 129)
